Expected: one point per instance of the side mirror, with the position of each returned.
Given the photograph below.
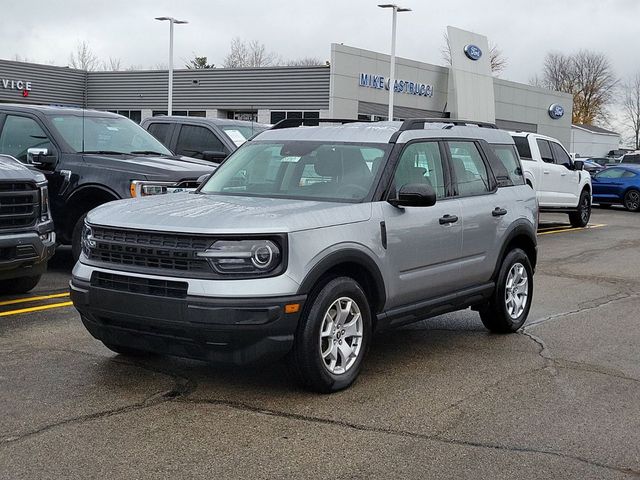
(578, 165)
(40, 157)
(214, 156)
(415, 195)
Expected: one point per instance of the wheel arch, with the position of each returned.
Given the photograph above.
(350, 263)
(82, 200)
(522, 235)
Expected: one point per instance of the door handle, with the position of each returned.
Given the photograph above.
(563, 174)
(546, 172)
(498, 212)
(448, 219)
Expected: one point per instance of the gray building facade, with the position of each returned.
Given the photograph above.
(354, 85)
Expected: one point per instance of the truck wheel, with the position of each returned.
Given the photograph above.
(580, 218)
(509, 306)
(332, 337)
(76, 238)
(19, 285)
(632, 200)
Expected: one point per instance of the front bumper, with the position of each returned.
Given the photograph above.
(25, 254)
(218, 330)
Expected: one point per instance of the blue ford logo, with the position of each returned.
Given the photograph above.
(473, 52)
(556, 111)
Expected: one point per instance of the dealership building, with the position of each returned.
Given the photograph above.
(353, 85)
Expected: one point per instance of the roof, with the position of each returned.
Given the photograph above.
(209, 120)
(594, 129)
(57, 109)
(381, 132)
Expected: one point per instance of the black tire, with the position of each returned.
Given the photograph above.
(76, 238)
(632, 200)
(306, 360)
(580, 218)
(127, 351)
(494, 313)
(19, 285)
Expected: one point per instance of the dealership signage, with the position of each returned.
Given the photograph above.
(556, 111)
(472, 52)
(400, 86)
(21, 85)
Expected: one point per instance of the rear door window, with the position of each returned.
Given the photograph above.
(471, 174)
(560, 156)
(507, 170)
(545, 150)
(161, 131)
(524, 150)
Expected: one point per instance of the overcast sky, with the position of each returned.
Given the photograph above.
(47, 31)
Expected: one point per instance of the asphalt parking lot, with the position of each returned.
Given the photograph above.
(440, 399)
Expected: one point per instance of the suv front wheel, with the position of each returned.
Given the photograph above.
(332, 337)
(507, 310)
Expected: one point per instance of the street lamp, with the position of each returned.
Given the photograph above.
(392, 72)
(171, 21)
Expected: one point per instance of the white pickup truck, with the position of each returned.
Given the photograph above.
(560, 183)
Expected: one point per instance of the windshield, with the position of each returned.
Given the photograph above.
(240, 133)
(106, 135)
(302, 170)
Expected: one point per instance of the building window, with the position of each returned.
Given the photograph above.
(181, 113)
(277, 116)
(135, 115)
(246, 116)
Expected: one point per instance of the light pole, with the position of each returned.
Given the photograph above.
(392, 70)
(171, 21)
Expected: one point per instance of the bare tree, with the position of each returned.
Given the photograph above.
(249, 54)
(197, 63)
(631, 108)
(114, 64)
(497, 59)
(83, 58)
(305, 62)
(588, 77)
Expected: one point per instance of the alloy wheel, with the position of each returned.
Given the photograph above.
(632, 200)
(341, 335)
(516, 290)
(585, 210)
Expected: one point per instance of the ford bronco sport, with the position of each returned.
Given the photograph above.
(307, 240)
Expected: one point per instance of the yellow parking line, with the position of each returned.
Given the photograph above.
(36, 309)
(571, 229)
(33, 299)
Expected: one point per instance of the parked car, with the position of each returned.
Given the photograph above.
(403, 221)
(617, 154)
(629, 158)
(590, 166)
(90, 158)
(602, 161)
(27, 239)
(560, 183)
(211, 139)
(618, 185)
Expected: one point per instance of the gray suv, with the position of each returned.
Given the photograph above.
(308, 240)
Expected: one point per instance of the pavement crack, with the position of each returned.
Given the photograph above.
(245, 407)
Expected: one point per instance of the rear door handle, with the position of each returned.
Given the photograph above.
(448, 219)
(546, 172)
(498, 212)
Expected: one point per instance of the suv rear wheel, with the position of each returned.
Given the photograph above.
(507, 311)
(580, 218)
(332, 337)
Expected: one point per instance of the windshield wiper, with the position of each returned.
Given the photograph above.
(104, 152)
(147, 152)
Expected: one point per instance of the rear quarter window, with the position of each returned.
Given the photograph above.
(506, 165)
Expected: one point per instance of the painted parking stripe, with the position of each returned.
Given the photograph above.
(36, 309)
(569, 229)
(34, 299)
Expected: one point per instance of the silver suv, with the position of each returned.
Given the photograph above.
(308, 240)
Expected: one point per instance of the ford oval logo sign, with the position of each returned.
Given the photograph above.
(473, 52)
(556, 111)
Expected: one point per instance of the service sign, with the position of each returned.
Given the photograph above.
(12, 84)
(400, 86)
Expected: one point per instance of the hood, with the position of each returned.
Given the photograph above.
(12, 169)
(216, 214)
(155, 167)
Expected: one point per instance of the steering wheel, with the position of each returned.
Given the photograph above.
(343, 189)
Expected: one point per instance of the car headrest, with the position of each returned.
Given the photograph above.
(328, 162)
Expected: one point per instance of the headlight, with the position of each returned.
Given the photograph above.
(243, 257)
(143, 188)
(44, 203)
(88, 242)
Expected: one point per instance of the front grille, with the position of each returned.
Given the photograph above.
(19, 204)
(144, 286)
(152, 250)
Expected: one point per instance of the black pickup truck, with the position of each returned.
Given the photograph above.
(27, 239)
(90, 158)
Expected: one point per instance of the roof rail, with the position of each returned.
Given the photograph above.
(418, 123)
(298, 122)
